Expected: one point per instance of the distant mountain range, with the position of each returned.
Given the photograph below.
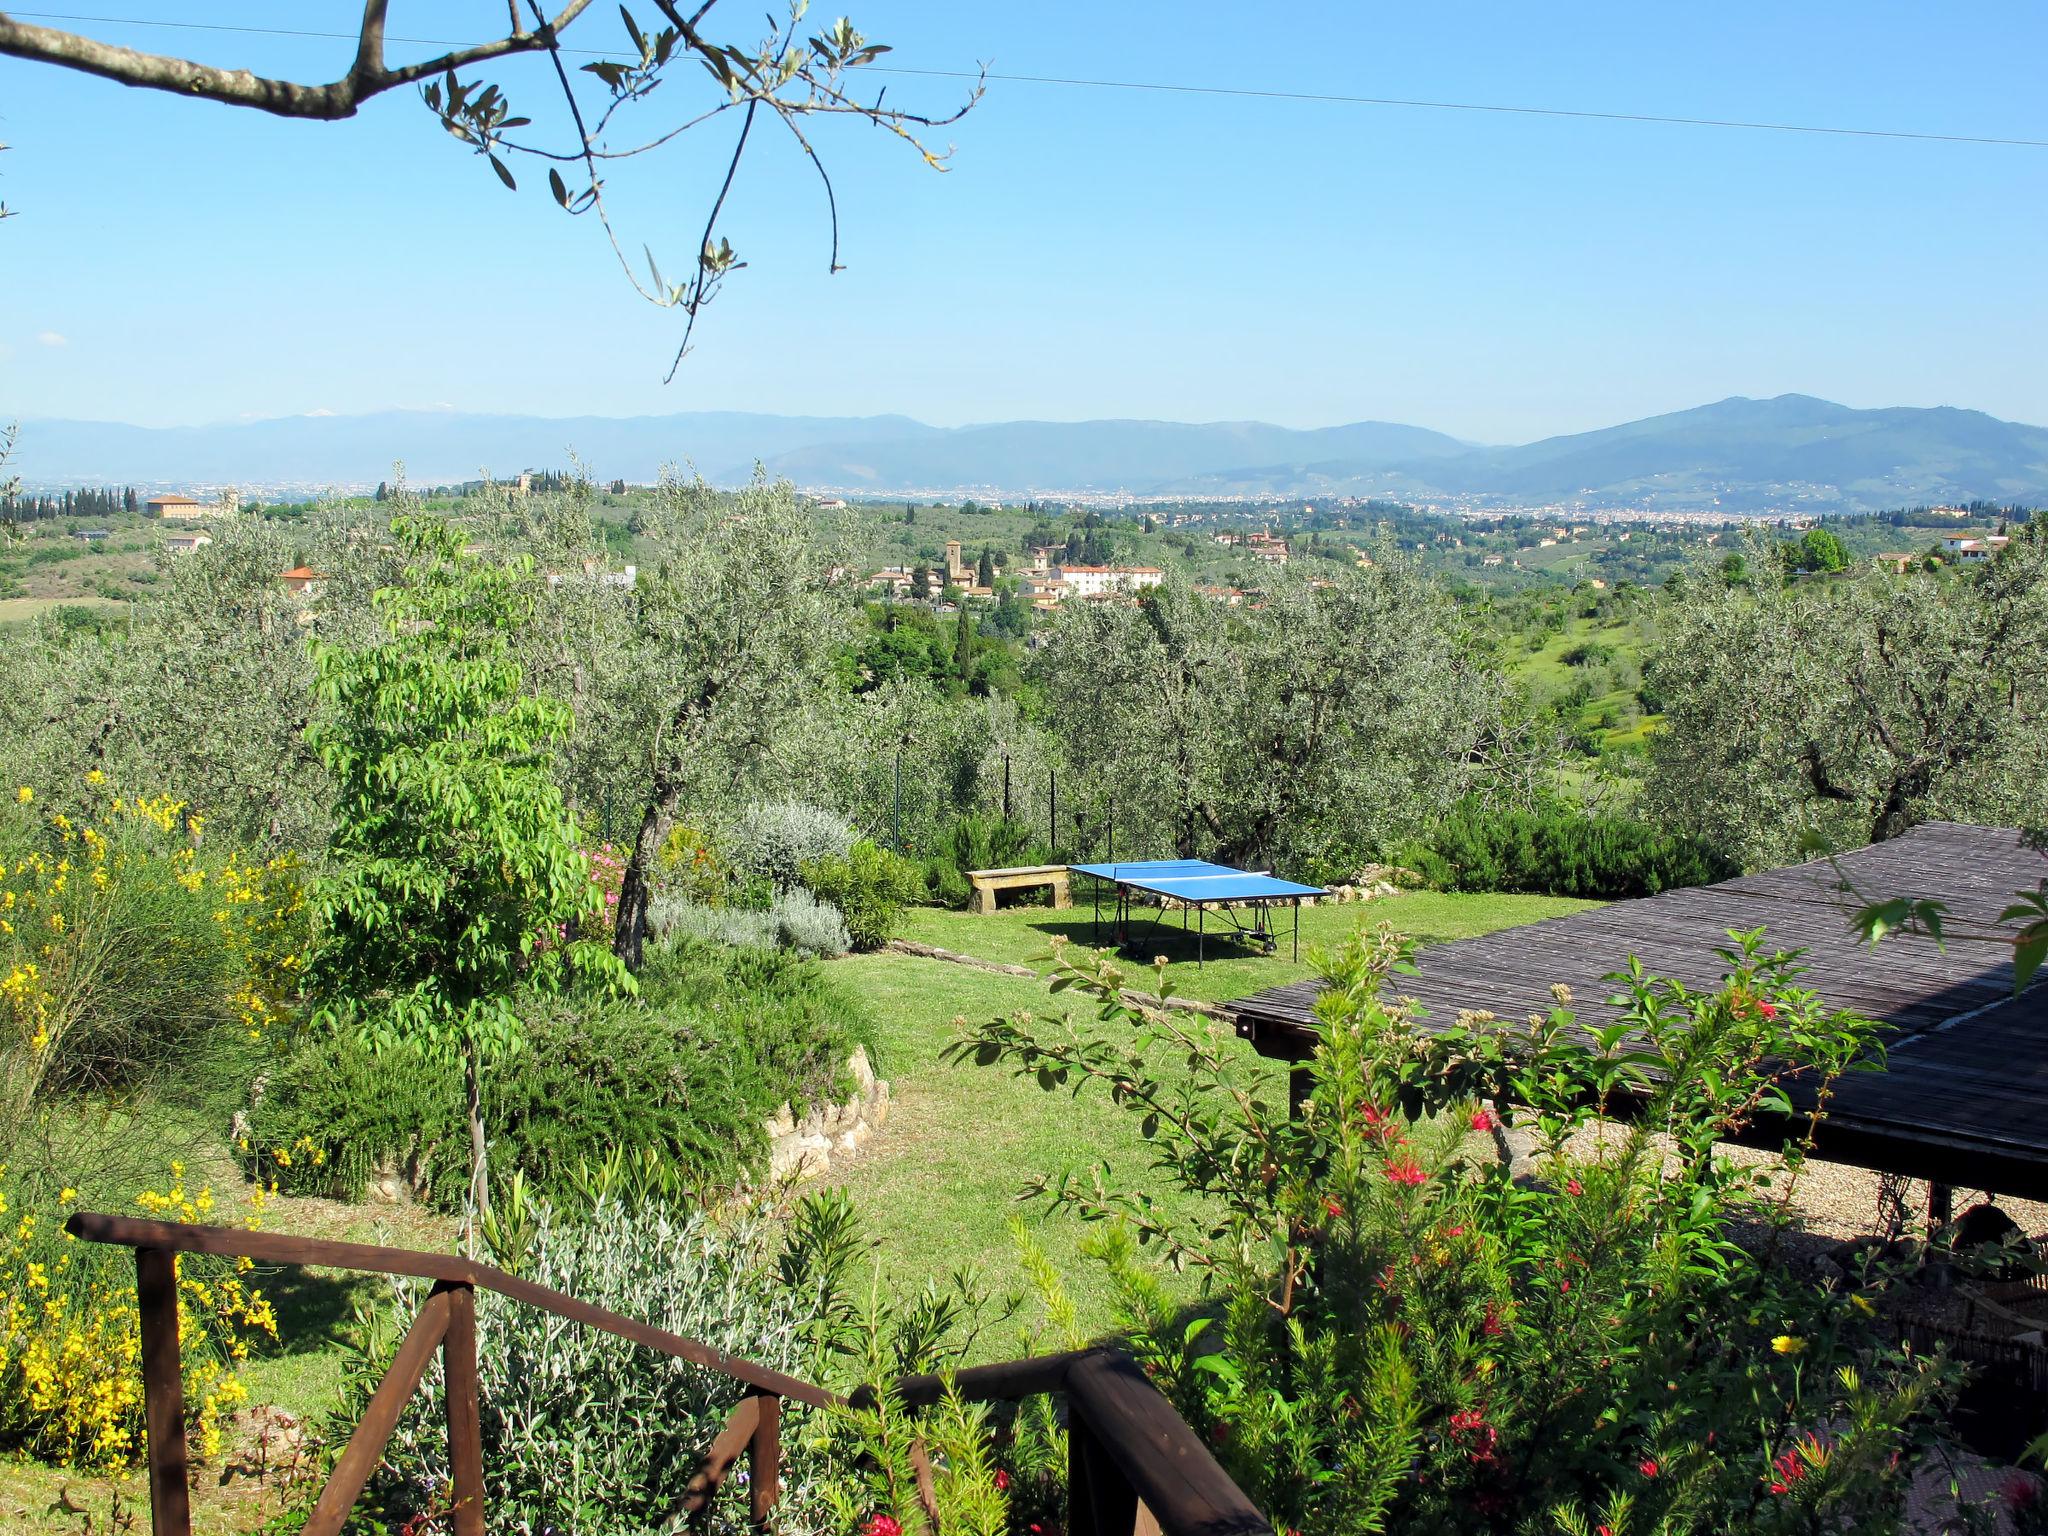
(1789, 453)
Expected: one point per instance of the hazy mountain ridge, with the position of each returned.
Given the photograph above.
(1740, 454)
(1736, 454)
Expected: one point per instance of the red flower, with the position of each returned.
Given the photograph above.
(2020, 1491)
(1333, 1207)
(882, 1525)
(1406, 1172)
(1767, 1008)
(1648, 1466)
(1465, 1420)
(1492, 1327)
(1606, 1530)
(1483, 1121)
(1574, 1187)
(1790, 1469)
(1002, 1481)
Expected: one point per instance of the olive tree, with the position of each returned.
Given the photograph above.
(1313, 729)
(201, 687)
(1849, 709)
(733, 628)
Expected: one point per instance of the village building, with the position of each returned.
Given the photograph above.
(1101, 580)
(180, 507)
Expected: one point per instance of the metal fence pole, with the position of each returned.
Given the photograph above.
(1006, 786)
(896, 813)
(1052, 809)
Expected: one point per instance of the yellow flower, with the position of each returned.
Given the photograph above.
(1862, 1304)
(66, 1195)
(23, 795)
(1788, 1344)
(95, 777)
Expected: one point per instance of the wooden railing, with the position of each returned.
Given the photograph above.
(1134, 1466)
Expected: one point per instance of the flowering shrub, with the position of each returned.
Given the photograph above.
(1403, 1334)
(607, 874)
(120, 944)
(70, 1340)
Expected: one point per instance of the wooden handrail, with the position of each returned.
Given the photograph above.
(276, 1248)
(1135, 1467)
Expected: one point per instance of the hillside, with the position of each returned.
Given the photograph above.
(1790, 453)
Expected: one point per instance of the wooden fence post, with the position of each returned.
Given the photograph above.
(163, 1391)
(764, 1463)
(1099, 1501)
(465, 1423)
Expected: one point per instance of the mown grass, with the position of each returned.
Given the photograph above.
(938, 1187)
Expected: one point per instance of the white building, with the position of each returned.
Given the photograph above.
(1100, 580)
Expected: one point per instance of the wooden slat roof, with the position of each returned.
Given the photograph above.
(1965, 1097)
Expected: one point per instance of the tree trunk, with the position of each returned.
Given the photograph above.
(479, 1183)
(629, 932)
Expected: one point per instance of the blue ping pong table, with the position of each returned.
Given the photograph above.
(1197, 885)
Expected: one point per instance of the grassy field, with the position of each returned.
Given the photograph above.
(1549, 675)
(939, 1186)
(18, 610)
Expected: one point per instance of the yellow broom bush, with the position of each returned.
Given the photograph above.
(71, 1345)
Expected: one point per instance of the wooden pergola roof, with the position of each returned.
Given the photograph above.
(1964, 1099)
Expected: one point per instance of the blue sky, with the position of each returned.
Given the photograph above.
(1090, 252)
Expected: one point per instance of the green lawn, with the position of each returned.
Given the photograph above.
(938, 1186)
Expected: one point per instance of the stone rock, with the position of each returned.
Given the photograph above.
(784, 1122)
(863, 1073)
(878, 1110)
(799, 1157)
(849, 1113)
(847, 1144)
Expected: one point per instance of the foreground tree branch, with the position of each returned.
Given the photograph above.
(337, 99)
(791, 75)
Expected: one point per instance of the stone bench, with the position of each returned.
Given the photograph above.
(1028, 877)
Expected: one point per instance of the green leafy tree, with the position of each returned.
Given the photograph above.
(1821, 549)
(455, 875)
(963, 644)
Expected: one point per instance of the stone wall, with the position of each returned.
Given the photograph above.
(802, 1147)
